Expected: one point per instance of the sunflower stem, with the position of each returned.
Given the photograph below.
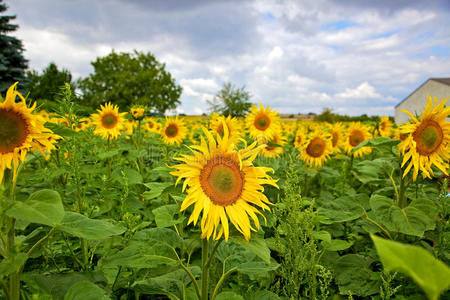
(402, 201)
(205, 269)
(221, 280)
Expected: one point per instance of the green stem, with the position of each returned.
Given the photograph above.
(221, 280)
(194, 281)
(402, 201)
(40, 242)
(379, 226)
(208, 262)
(205, 249)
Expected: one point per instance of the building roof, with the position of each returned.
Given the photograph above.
(445, 81)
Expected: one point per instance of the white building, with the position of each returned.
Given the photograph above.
(417, 100)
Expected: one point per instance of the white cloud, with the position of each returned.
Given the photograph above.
(362, 91)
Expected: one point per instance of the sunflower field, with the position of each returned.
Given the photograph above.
(120, 205)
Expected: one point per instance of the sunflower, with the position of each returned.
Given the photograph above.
(21, 131)
(337, 136)
(174, 131)
(428, 140)
(317, 149)
(216, 125)
(263, 122)
(137, 112)
(356, 134)
(274, 147)
(150, 125)
(223, 183)
(108, 122)
(300, 137)
(385, 126)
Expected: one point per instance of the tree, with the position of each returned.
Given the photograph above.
(12, 62)
(231, 101)
(48, 85)
(130, 78)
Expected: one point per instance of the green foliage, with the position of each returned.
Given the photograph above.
(327, 115)
(12, 62)
(231, 101)
(126, 79)
(430, 274)
(48, 85)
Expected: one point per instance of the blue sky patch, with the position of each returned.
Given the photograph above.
(338, 25)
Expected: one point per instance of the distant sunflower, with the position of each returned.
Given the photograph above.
(21, 131)
(337, 136)
(356, 134)
(428, 140)
(317, 149)
(300, 137)
(108, 121)
(174, 131)
(385, 126)
(263, 122)
(223, 183)
(274, 147)
(137, 112)
(150, 125)
(217, 124)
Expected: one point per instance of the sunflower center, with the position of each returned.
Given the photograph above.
(222, 180)
(13, 130)
(428, 136)
(262, 122)
(383, 126)
(109, 121)
(316, 147)
(171, 130)
(356, 137)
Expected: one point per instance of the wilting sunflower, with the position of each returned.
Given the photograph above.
(356, 134)
(263, 122)
(273, 147)
(21, 131)
(174, 131)
(217, 124)
(223, 183)
(317, 149)
(337, 136)
(428, 140)
(385, 126)
(108, 122)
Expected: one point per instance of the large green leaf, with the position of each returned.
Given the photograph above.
(164, 215)
(85, 290)
(414, 219)
(354, 276)
(83, 227)
(377, 142)
(256, 268)
(432, 275)
(256, 245)
(343, 209)
(42, 207)
(229, 295)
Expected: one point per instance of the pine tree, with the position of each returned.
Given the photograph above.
(12, 62)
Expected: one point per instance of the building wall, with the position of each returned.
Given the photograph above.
(416, 102)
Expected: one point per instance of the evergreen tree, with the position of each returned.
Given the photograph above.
(12, 62)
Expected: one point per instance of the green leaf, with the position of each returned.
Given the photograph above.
(156, 189)
(354, 276)
(377, 142)
(343, 209)
(164, 215)
(85, 290)
(336, 245)
(42, 207)
(91, 229)
(264, 295)
(432, 275)
(229, 296)
(255, 268)
(132, 176)
(414, 219)
(12, 264)
(256, 245)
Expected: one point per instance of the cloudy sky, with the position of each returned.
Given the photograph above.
(297, 56)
